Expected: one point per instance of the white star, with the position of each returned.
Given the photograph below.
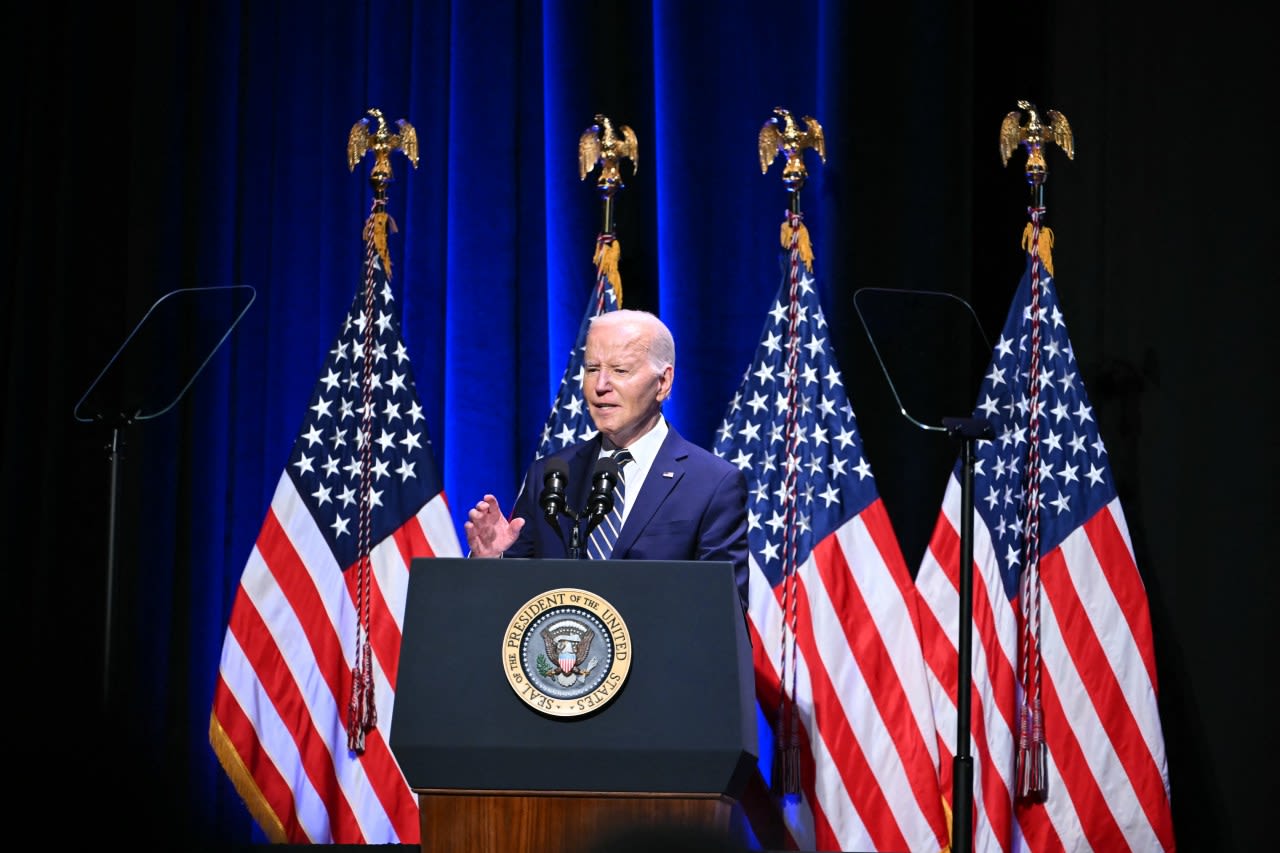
(743, 460)
(770, 342)
(321, 408)
(863, 469)
(830, 495)
(1053, 440)
(1084, 413)
(339, 526)
(330, 466)
(379, 469)
(836, 465)
(411, 442)
(1094, 474)
(303, 465)
(321, 495)
(396, 382)
(312, 436)
(347, 496)
(777, 523)
(779, 312)
(750, 432)
(765, 373)
(814, 346)
(1062, 502)
(405, 470)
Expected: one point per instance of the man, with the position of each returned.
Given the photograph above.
(681, 502)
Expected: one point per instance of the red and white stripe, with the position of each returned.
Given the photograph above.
(870, 781)
(279, 712)
(1108, 778)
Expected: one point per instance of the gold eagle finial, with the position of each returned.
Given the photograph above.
(781, 134)
(382, 141)
(1034, 135)
(601, 143)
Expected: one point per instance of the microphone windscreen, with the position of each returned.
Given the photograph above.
(605, 466)
(556, 465)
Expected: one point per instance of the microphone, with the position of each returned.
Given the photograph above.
(603, 480)
(554, 480)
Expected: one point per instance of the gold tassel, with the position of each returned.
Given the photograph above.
(806, 250)
(606, 261)
(375, 228)
(1046, 245)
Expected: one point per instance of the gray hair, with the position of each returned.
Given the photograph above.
(662, 346)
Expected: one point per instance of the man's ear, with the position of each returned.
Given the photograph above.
(665, 378)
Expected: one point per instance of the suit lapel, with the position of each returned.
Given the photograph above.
(657, 486)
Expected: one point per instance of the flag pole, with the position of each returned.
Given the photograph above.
(370, 134)
(1031, 768)
(782, 134)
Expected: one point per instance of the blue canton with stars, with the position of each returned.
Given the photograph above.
(569, 422)
(833, 480)
(1074, 477)
(325, 462)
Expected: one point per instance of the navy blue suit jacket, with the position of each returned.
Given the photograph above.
(692, 506)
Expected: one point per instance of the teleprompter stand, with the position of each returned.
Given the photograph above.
(147, 376)
(932, 344)
(673, 747)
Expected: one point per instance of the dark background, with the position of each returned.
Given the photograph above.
(161, 146)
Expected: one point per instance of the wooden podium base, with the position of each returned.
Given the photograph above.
(465, 821)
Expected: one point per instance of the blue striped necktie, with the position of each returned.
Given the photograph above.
(600, 543)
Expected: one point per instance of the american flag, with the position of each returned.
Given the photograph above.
(569, 422)
(1067, 745)
(833, 612)
(306, 684)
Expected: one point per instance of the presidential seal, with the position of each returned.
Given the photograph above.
(566, 652)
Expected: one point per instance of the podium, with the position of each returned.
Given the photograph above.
(505, 755)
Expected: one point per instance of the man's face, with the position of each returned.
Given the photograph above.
(623, 390)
